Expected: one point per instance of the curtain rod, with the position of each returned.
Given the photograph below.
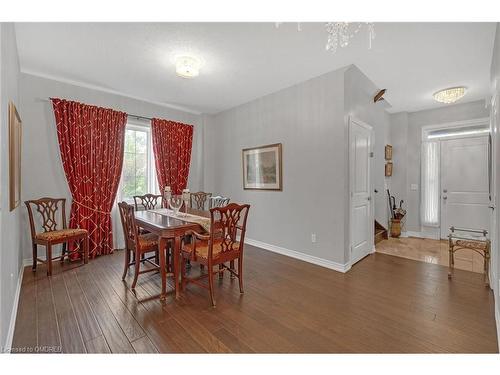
(129, 115)
(139, 117)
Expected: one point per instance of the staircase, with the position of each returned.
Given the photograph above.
(380, 232)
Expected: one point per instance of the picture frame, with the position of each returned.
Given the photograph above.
(15, 143)
(388, 152)
(262, 167)
(388, 169)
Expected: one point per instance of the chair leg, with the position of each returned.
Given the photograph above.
(167, 257)
(49, 260)
(183, 273)
(35, 255)
(63, 251)
(127, 262)
(231, 266)
(136, 271)
(221, 271)
(86, 249)
(211, 284)
(240, 273)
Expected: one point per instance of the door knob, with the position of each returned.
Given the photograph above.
(445, 197)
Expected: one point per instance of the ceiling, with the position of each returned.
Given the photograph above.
(244, 61)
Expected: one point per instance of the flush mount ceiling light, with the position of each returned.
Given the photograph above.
(450, 95)
(187, 66)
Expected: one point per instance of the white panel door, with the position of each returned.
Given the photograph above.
(362, 224)
(465, 184)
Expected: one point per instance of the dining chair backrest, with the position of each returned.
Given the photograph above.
(199, 200)
(130, 231)
(147, 201)
(52, 214)
(227, 229)
(218, 201)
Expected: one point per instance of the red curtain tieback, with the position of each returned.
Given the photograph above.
(92, 208)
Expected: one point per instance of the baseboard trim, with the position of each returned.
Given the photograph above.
(339, 267)
(420, 235)
(13, 315)
(414, 234)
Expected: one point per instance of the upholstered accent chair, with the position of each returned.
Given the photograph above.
(147, 202)
(137, 244)
(224, 244)
(218, 201)
(199, 200)
(48, 228)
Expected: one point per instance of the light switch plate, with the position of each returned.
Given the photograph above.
(414, 187)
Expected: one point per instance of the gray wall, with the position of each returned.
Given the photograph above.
(406, 131)
(10, 251)
(43, 174)
(495, 117)
(399, 141)
(359, 91)
(308, 119)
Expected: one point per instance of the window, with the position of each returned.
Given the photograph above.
(138, 175)
(461, 131)
(430, 183)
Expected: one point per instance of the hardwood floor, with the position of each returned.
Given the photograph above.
(431, 251)
(384, 304)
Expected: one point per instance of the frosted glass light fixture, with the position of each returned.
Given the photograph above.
(187, 66)
(450, 95)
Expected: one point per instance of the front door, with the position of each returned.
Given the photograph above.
(362, 222)
(465, 184)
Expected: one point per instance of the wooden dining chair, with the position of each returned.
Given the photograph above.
(199, 200)
(147, 201)
(136, 244)
(224, 244)
(218, 201)
(54, 231)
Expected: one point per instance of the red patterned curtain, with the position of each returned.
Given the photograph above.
(172, 142)
(91, 141)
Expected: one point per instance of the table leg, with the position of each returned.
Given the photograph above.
(161, 249)
(177, 253)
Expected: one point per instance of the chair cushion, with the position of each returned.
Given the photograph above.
(202, 248)
(147, 241)
(57, 235)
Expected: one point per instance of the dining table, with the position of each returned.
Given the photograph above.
(169, 228)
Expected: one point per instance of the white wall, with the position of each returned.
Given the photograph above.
(308, 119)
(359, 92)
(10, 251)
(495, 121)
(43, 174)
(406, 131)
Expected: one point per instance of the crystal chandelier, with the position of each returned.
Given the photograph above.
(341, 33)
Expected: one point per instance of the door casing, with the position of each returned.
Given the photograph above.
(353, 259)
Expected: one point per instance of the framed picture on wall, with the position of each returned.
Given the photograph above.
(262, 168)
(15, 141)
